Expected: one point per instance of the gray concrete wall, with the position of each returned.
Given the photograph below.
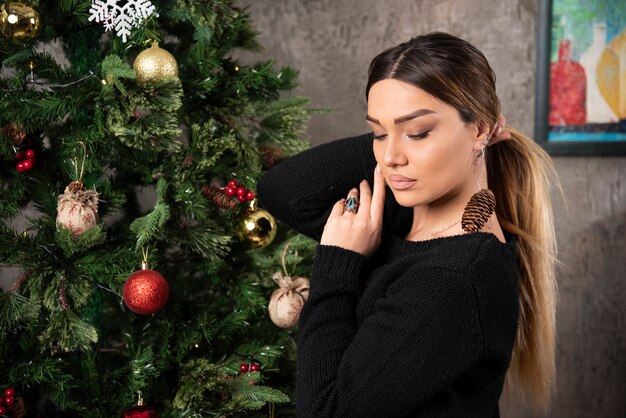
(331, 43)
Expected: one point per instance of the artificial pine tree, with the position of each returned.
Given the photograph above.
(155, 164)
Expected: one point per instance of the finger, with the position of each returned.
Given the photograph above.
(337, 208)
(366, 198)
(352, 202)
(378, 196)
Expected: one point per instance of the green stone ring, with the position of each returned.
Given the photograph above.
(351, 204)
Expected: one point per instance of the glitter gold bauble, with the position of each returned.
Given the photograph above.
(19, 22)
(146, 291)
(155, 64)
(256, 227)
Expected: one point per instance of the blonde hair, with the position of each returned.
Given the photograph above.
(519, 173)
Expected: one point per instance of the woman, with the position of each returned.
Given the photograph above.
(422, 298)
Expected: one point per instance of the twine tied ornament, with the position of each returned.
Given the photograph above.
(77, 208)
(287, 301)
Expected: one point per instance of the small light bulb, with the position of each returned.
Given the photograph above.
(236, 68)
(104, 81)
(250, 226)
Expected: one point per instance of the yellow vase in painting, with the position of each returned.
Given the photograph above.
(611, 74)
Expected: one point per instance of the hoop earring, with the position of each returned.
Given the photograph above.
(480, 207)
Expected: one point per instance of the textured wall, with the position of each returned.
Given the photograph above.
(332, 42)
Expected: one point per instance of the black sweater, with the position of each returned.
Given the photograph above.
(420, 329)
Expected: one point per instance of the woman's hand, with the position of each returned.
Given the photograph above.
(360, 231)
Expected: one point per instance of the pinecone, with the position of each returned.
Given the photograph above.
(18, 409)
(218, 197)
(478, 210)
(15, 132)
(270, 156)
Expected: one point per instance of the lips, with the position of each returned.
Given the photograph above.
(399, 182)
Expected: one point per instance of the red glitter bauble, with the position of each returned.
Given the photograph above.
(146, 291)
(140, 411)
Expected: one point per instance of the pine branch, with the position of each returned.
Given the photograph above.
(208, 144)
(15, 310)
(206, 242)
(67, 332)
(147, 227)
(198, 376)
(142, 368)
(251, 396)
(115, 70)
(83, 242)
(283, 123)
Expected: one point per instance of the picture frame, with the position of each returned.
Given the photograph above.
(579, 111)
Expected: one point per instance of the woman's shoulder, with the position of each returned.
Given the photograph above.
(455, 253)
(474, 262)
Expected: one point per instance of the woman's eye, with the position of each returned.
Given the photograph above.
(419, 136)
(380, 136)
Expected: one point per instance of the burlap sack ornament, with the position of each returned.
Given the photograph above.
(77, 209)
(287, 301)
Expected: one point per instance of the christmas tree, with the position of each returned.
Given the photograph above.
(143, 145)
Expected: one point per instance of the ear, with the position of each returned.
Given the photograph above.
(480, 131)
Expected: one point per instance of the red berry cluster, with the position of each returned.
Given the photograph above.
(25, 160)
(249, 367)
(233, 188)
(7, 402)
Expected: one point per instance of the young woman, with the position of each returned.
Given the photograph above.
(423, 298)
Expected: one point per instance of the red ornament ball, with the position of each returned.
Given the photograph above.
(3, 410)
(9, 392)
(20, 166)
(241, 191)
(28, 164)
(29, 153)
(241, 198)
(255, 367)
(8, 401)
(233, 183)
(244, 367)
(250, 195)
(230, 191)
(146, 292)
(140, 411)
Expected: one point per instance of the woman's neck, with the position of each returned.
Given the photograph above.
(442, 217)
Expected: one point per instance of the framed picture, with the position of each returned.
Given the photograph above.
(581, 77)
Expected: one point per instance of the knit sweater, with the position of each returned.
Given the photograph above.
(419, 329)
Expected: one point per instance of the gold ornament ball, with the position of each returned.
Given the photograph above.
(257, 227)
(155, 64)
(19, 22)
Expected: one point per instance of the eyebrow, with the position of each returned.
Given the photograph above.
(405, 118)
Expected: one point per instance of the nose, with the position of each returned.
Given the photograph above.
(394, 154)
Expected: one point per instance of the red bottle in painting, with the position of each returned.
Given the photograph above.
(568, 87)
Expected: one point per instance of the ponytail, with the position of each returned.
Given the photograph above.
(520, 173)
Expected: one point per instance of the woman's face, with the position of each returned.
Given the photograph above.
(425, 150)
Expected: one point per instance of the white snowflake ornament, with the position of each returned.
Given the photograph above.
(120, 18)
